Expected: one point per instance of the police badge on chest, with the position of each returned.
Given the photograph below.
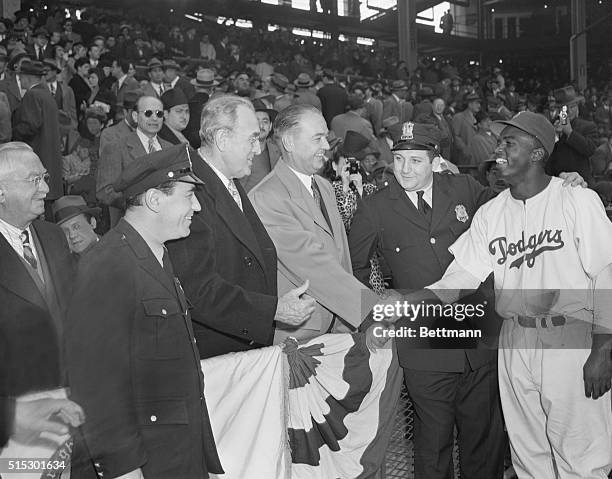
(462, 214)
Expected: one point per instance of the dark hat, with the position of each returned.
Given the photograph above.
(279, 80)
(70, 206)
(156, 168)
(174, 97)
(131, 97)
(418, 136)
(399, 85)
(41, 32)
(353, 143)
(355, 101)
(154, 63)
(471, 97)
(16, 55)
(95, 112)
(426, 92)
(531, 123)
(303, 81)
(262, 104)
(567, 96)
(32, 67)
(51, 65)
(333, 140)
(166, 64)
(205, 78)
(481, 115)
(393, 127)
(368, 150)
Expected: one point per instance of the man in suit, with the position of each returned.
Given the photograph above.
(80, 85)
(176, 116)
(35, 285)
(132, 358)
(298, 209)
(155, 85)
(148, 117)
(333, 97)
(173, 80)
(396, 105)
(577, 138)
(353, 120)
(411, 223)
(36, 121)
(269, 154)
(61, 92)
(124, 83)
(464, 129)
(228, 263)
(40, 49)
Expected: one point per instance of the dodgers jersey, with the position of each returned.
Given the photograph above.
(545, 252)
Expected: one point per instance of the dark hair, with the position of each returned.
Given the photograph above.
(123, 64)
(80, 62)
(167, 187)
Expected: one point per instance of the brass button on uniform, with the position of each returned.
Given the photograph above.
(397, 250)
(432, 240)
(153, 418)
(164, 312)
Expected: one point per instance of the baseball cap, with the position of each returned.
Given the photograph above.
(156, 168)
(531, 123)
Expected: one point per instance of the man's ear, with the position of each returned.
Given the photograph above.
(222, 138)
(152, 199)
(287, 142)
(435, 163)
(135, 116)
(537, 154)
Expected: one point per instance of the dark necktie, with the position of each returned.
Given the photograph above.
(422, 205)
(28, 253)
(316, 193)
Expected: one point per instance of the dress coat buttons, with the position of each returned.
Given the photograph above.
(397, 250)
(432, 240)
(153, 418)
(248, 261)
(164, 312)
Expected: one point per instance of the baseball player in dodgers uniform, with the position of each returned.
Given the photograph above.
(549, 250)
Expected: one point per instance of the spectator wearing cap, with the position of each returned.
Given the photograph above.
(484, 142)
(464, 129)
(424, 106)
(78, 222)
(411, 223)
(395, 104)
(304, 94)
(80, 85)
(134, 380)
(172, 79)
(276, 86)
(155, 85)
(124, 83)
(266, 160)
(333, 97)
(60, 91)
(36, 122)
(40, 49)
(353, 120)
(176, 116)
(577, 138)
(109, 166)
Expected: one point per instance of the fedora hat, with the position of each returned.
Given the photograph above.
(205, 78)
(280, 81)
(154, 63)
(34, 68)
(303, 81)
(353, 143)
(70, 206)
(170, 63)
(398, 85)
(51, 65)
(471, 97)
(262, 104)
(567, 96)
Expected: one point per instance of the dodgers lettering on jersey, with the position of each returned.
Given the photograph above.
(544, 252)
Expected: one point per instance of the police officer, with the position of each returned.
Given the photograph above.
(132, 357)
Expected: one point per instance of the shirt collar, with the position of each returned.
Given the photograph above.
(224, 179)
(306, 180)
(144, 139)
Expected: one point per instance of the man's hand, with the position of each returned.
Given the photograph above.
(378, 340)
(572, 179)
(45, 415)
(563, 129)
(597, 371)
(295, 307)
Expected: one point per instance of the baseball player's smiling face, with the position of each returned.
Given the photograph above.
(514, 153)
(413, 169)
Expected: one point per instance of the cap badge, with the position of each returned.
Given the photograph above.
(462, 214)
(171, 174)
(407, 131)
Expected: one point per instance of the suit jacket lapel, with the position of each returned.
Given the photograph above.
(147, 259)
(441, 201)
(134, 146)
(14, 277)
(300, 195)
(404, 207)
(236, 220)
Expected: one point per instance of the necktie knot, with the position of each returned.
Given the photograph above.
(151, 145)
(422, 205)
(28, 252)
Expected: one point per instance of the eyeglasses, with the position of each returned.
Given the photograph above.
(149, 113)
(35, 180)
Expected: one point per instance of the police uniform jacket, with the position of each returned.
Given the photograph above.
(134, 366)
(417, 252)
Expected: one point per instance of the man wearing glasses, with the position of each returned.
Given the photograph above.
(35, 284)
(149, 118)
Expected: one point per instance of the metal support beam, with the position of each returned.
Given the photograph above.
(578, 50)
(406, 15)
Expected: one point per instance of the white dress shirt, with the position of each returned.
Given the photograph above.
(13, 236)
(144, 139)
(305, 179)
(427, 196)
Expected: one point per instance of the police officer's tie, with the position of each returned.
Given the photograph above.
(316, 194)
(422, 206)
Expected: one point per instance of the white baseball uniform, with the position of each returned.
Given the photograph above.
(551, 255)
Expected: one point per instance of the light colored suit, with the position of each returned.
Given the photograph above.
(308, 250)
